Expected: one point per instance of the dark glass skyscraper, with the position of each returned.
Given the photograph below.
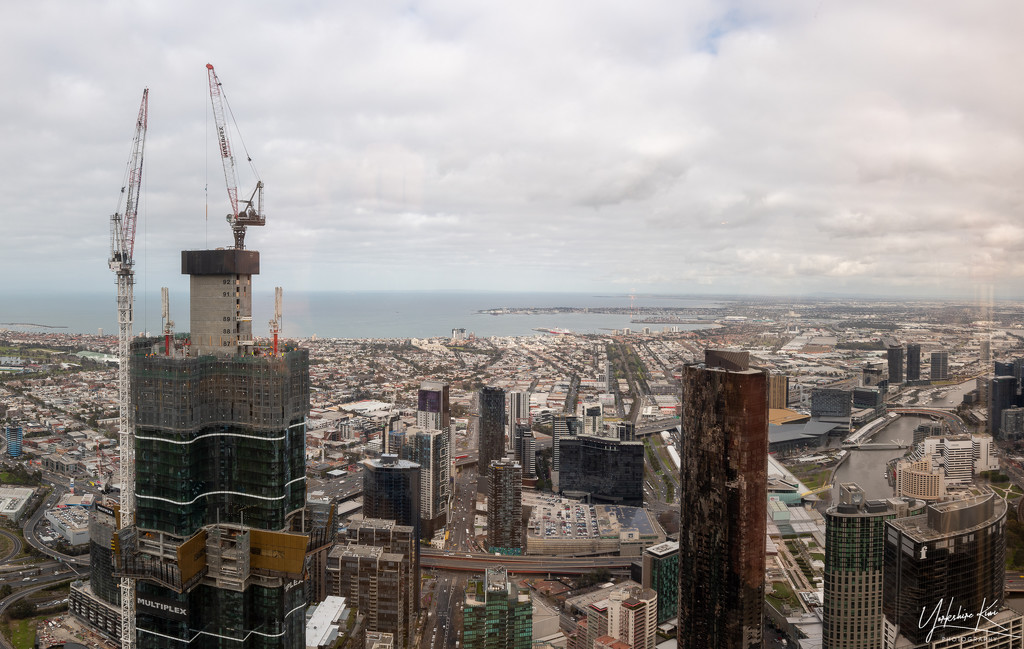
(605, 469)
(391, 490)
(491, 412)
(895, 357)
(913, 362)
(723, 505)
(947, 561)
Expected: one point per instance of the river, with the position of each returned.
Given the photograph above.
(867, 467)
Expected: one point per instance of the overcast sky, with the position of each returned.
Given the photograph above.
(669, 147)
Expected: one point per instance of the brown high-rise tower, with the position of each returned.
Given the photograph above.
(723, 502)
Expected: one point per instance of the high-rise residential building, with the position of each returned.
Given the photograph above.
(854, 557)
(895, 357)
(661, 574)
(428, 448)
(518, 411)
(14, 435)
(985, 351)
(524, 447)
(505, 508)
(723, 505)
(778, 391)
(1002, 393)
(913, 362)
(628, 614)
(434, 412)
(491, 418)
(376, 582)
(603, 469)
(497, 614)
(940, 366)
(949, 560)
(433, 408)
(359, 573)
(391, 490)
(220, 472)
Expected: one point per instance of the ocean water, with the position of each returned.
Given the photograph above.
(351, 314)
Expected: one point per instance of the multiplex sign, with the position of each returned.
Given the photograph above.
(162, 608)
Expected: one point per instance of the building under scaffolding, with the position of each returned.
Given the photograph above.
(220, 546)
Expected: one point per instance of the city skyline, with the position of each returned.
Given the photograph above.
(802, 148)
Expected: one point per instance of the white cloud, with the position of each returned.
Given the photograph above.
(668, 146)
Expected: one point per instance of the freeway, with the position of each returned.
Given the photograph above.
(538, 565)
(41, 583)
(15, 546)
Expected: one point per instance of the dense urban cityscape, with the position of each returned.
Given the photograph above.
(701, 460)
(594, 490)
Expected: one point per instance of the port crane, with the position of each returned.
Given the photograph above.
(251, 212)
(122, 263)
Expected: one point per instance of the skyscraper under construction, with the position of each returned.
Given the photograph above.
(220, 551)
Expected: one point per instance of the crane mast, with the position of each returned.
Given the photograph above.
(252, 210)
(122, 262)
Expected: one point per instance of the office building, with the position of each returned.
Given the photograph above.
(491, 417)
(518, 412)
(831, 402)
(391, 490)
(602, 469)
(870, 398)
(1002, 394)
(14, 435)
(872, 375)
(940, 366)
(661, 574)
(505, 508)
(985, 351)
(524, 447)
(497, 614)
(102, 528)
(428, 449)
(953, 555)
(895, 357)
(220, 472)
(593, 420)
(563, 426)
(854, 557)
(913, 362)
(723, 505)
(1012, 422)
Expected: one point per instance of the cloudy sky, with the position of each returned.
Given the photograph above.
(670, 147)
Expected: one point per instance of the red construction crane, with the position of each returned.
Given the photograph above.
(252, 212)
